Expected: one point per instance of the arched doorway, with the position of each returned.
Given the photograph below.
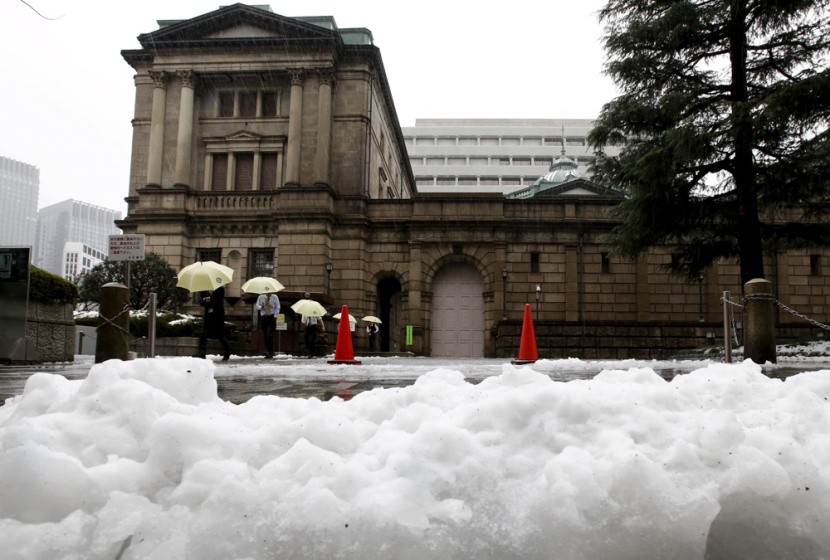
(457, 312)
(389, 301)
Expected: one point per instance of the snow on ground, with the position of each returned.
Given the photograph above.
(142, 459)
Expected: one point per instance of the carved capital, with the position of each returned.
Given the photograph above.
(297, 76)
(326, 76)
(159, 78)
(188, 78)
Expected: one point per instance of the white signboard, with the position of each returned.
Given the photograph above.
(281, 324)
(126, 248)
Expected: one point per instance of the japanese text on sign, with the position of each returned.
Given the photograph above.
(126, 247)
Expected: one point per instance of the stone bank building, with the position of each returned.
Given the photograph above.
(272, 145)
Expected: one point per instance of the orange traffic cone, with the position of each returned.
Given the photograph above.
(344, 352)
(527, 348)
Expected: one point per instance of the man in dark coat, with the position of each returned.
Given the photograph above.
(213, 325)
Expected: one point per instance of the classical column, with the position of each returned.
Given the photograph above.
(156, 149)
(322, 161)
(295, 127)
(184, 142)
(414, 300)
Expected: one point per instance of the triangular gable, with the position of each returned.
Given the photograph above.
(578, 187)
(238, 21)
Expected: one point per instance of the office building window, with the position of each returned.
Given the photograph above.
(244, 172)
(260, 263)
(815, 265)
(248, 104)
(226, 104)
(268, 171)
(220, 172)
(606, 263)
(214, 255)
(534, 262)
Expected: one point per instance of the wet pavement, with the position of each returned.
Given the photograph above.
(243, 378)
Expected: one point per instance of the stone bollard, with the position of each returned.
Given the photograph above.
(114, 323)
(759, 330)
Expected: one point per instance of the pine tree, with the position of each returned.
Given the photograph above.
(723, 120)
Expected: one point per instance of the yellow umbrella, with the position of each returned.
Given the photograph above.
(262, 285)
(372, 319)
(309, 307)
(204, 276)
(338, 315)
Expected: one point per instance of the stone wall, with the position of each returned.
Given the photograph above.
(52, 328)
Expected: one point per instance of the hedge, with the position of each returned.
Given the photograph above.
(45, 287)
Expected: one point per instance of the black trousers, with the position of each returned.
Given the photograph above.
(268, 326)
(214, 329)
(311, 339)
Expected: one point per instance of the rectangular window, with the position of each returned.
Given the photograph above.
(465, 141)
(606, 263)
(220, 172)
(214, 255)
(244, 175)
(226, 104)
(268, 174)
(521, 161)
(247, 103)
(815, 265)
(269, 104)
(260, 263)
(534, 262)
(467, 181)
(456, 161)
(435, 161)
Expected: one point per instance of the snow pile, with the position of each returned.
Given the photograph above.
(142, 460)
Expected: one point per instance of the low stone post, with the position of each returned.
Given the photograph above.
(759, 331)
(114, 323)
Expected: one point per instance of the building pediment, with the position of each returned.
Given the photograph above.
(575, 188)
(235, 23)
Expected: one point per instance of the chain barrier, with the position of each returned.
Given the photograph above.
(770, 297)
(110, 322)
(734, 329)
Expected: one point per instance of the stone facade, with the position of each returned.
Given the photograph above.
(325, 180)
(52, 328)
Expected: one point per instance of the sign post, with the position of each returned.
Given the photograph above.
(126, 248)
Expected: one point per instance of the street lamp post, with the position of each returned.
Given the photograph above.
(700, 295)
(329, 268)
(504, 294)
(538, 291)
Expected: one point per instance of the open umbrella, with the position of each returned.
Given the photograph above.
(309, 307)
(338, 315)
(262, 285)
(372, 319)
(204, 276)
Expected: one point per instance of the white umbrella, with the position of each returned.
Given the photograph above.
(262, 285)
(204, 276)
(372, 319)
(309, 307)
(338, 315)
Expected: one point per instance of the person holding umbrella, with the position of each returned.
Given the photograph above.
(208, 278)
(312, 319)
(213, 325)
(268, 306)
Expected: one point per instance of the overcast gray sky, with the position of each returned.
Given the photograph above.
(67, 96)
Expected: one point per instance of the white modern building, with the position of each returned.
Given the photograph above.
(494, 155)
(72, 221)
(19, 191)
(79, 258)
